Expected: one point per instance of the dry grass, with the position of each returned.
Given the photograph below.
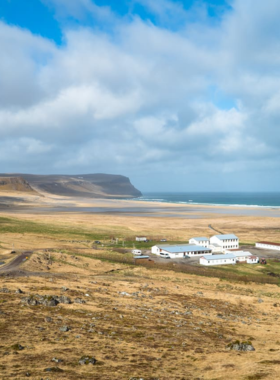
(172, 325)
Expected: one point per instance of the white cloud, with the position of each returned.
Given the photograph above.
(140, 100)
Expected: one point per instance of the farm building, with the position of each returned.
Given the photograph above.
(142, 260)
(241, 256)
(176, 251)
(203, 241)
(252, 260)
(227, 259)
(268, 245)
(141, 238)
(229, 241)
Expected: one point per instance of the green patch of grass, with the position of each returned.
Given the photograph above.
(19, 226)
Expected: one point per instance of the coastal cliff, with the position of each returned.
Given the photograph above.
(84, 185)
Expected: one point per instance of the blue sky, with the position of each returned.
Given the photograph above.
(181, 90)
(41, 16)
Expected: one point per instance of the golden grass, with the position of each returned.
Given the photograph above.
(170, 326)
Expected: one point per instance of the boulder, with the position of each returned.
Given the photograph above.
(64, 328)
(30, 300)
(79, 300)
(64, 299)
(5, 290)
(240, 346)
(53, 369)
(49, 301)
(85, 360)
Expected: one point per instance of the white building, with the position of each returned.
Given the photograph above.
(141, 238)
(227, 259)
(137, 252)
(176, 251)
(268, 245)
(229, 241)
(202, 241)
(252, 260)
(241, 256)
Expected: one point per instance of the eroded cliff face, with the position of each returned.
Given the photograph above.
(15, 184)
(84, 185)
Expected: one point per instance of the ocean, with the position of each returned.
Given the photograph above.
(244, 199)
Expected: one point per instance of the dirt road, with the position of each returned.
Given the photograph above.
(14, 265)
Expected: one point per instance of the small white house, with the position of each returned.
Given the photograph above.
(229, 241)
(252, 260)
(202, 241)
(141, 238)
(137, 252)
(268, 245)
(176, 251)
(227, 259)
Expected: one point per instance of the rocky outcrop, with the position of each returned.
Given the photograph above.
(84, 185)
(15, 184)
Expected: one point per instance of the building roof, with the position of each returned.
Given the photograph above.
(219, 257)
(201, 238)
(226, 237)
(267, 242)
(241, 254)
(183, 248)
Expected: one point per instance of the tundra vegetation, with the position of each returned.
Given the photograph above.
(75, 309)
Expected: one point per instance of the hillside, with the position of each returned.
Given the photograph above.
(15, 184)
(88, 185)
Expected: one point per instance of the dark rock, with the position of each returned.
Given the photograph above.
(5, 290)
(48, 319)
(17, 347)
(240, 346)
(53, 369)
(49, 301)
(64, 299)
(64, 328)
(64, 288)
(57, 360)
(27, 374)
(30, 300)
(79, 300)
(260, 300)
(19, 291)
(85, 360)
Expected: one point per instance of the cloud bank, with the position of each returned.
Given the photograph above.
(190, 108)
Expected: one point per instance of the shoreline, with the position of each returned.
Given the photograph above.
(17, 202)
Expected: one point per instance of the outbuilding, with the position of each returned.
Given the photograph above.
(141, 238)
(229, 241)
(137, 252)
(179, 251)
(268, 245)
(202, 241)
(241, 256)
(227, 259)
(252, 260)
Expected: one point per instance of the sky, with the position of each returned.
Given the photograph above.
(176, 95)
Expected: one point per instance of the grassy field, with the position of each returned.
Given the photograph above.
(166, 322)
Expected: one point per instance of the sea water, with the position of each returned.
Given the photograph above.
(254, 199)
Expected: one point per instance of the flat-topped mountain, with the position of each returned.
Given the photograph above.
(15, 184)
(84, 185)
